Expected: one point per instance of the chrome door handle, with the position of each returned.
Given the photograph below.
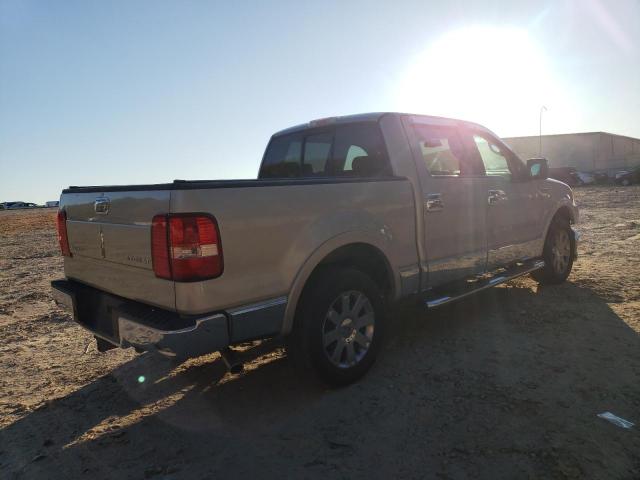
(434, 202)
(102, 205)
(496, 196)
(545, 192)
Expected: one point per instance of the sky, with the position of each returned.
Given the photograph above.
(98, 92)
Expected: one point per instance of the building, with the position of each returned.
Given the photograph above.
(587, 152)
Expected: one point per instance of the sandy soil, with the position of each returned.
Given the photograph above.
(506, 384)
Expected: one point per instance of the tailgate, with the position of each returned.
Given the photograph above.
(110, 240)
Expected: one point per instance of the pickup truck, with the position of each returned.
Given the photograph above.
(348, 215)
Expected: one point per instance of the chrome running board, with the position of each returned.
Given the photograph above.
(450, 293)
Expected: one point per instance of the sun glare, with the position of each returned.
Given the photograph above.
(497, 76)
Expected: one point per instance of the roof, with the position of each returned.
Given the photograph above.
(360, 117)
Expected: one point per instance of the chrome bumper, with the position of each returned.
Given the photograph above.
(125, 323)
(209, 334)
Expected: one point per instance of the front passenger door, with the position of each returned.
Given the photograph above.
(512, 227)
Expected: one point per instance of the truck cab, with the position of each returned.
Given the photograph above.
(347, 215)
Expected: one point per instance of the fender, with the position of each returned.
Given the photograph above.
(564, 202)
(377, 240)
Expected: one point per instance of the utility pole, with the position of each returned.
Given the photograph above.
(542, 109)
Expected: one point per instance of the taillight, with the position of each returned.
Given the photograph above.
(186, 247)
(63, 239)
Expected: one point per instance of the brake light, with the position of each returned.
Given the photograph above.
(63, 239)
(186, 247)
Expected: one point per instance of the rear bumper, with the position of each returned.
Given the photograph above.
(125, 323)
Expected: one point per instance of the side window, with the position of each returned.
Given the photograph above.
(495, 160)
(282, 158)
(317, 149)
(441, 150)
(359, 151)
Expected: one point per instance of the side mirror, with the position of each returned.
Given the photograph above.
(538, 168)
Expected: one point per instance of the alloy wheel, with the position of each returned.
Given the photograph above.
(561, 251)
(348, 328)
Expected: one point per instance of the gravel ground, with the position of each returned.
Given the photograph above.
(506, 384)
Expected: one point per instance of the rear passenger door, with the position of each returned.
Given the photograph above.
(454, 208)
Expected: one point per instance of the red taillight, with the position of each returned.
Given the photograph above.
(186, 247)
(63, 239)
(160, 247)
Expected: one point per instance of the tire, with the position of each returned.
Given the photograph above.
(557, 254)
(339, 326)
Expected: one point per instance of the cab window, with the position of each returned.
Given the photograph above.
(359, 151)
(282, 158)
(349, 150)
(441, 150)
(317, 150)
(496, 158)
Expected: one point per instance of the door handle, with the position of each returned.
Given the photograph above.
(434, 202)
(102, 205)
(496, 196)
(545, 192)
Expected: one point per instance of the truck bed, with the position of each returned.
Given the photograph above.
(268, 229)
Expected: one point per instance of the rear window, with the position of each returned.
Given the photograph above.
(353, 150)
(359, 151)
(283, 157)
(317, 151)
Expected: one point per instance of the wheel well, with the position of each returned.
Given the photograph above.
(565, 213)
(364, 257)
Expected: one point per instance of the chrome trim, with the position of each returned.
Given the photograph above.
(434, 202)
(437, 302)
(101, 205)
(209, 334)
(496, 196)
(258, 306)
(505, 277)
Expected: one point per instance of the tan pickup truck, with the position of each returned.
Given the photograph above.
(347, 215)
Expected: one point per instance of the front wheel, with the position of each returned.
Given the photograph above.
(557, 254)
(339, 326)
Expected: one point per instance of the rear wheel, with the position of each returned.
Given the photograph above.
(339, 326)
(557, 254)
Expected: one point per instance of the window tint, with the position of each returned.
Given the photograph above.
(353, 150)
(359, 151)
(493, 157)
(441, 149)
(317, 149)
(282, 159)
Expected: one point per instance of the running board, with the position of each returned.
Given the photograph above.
(443, 295)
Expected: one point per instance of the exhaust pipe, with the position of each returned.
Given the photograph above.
(231, 360)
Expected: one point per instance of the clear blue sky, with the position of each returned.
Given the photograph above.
(113, 92)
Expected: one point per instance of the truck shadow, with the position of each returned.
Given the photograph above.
(516, 370)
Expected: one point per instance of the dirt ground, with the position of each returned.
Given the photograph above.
(506, 384)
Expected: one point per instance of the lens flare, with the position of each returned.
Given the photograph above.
(497, 76)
